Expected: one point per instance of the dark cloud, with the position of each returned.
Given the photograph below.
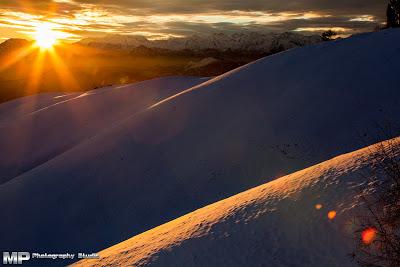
(340, 11)
(191, 28)
(40, 7)
(342, 7)
(340, 14)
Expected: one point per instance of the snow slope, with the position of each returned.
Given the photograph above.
(37, 128)
(275, 224)
(267, 119)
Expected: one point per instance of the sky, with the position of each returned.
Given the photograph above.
(159, 19)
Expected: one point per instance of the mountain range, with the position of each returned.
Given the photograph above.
(122, 59)
(246, 41)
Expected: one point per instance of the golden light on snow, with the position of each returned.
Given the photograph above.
(318, 206)
(368, 235)
(331, 215)
(45, 36)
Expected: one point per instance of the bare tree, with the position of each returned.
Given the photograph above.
(377, 232)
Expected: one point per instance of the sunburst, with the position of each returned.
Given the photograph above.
(45, 37)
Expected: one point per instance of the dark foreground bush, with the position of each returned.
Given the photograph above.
(377, 232)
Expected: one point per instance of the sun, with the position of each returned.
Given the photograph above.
(45, 36)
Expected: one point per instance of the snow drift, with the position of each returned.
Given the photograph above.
(275, 224)
(221, 137)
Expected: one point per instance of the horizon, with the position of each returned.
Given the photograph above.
(33, 38)
(73, 20)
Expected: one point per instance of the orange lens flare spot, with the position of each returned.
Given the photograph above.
(368, 235)
(318, 206)
(332, 215)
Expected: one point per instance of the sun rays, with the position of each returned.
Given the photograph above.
(45, 37)
(40, 57)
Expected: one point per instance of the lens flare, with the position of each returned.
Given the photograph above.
(368, 235)
(331, 215)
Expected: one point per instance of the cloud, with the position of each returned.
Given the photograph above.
(160, 18)
(40, 7)
(372, 7)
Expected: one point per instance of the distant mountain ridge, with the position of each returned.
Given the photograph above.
(12, 44)
(265, 43)
(114, 58)
(247, 41)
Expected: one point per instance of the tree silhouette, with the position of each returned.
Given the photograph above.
(328, 35)
(377, 223)
(393, 14)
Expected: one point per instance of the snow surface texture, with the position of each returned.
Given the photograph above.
(276, 224)
(239, 130)
(38, 128)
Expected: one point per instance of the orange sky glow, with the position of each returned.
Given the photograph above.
(72, 20)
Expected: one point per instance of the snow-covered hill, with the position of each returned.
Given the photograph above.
(243, 41)
(281, 223)
(157, 162)
(37, 128)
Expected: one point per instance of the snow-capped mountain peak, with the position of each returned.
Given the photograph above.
(122, 41)
(252, 41)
